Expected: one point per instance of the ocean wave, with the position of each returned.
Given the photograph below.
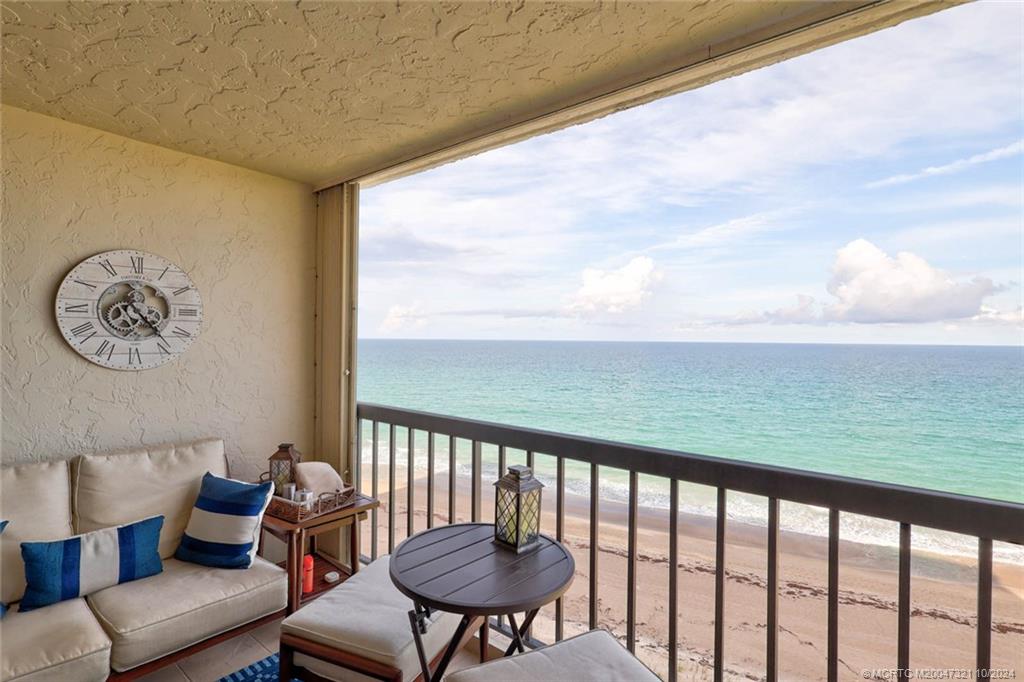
(750, 509)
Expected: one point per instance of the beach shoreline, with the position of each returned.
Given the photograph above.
(944, 591)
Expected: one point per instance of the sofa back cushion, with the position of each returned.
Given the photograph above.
(36, 500)
(112, 490)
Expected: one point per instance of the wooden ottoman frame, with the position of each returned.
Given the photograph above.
(290, 644)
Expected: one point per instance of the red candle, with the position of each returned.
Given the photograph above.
(307, 574)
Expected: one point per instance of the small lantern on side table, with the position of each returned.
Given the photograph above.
(517, 509)
(282, 466)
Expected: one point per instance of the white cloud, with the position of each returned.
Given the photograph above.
(402, 318)
(871, 287)
(954, 166)
(615, 291)
(992, 316)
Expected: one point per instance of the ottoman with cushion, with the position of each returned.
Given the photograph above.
(594, 656)
(360, 631)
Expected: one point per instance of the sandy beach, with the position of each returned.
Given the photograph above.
(943, 593)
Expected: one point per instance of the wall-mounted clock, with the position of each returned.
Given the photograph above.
(128, 310)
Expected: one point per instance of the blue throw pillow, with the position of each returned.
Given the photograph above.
(3, 606)
(83, 564)
(225, 524)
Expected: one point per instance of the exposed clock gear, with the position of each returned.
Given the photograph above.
(123, 318)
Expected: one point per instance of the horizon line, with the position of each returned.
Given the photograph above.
(662, 341)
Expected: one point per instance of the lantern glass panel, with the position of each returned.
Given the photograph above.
(505, 516)
(280, 473)
(529, 518)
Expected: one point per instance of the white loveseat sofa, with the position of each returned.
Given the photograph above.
(128, 625)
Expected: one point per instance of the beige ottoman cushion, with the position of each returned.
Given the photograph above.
(594, 656)
(56, 643)
(366, 615)
(187, 603)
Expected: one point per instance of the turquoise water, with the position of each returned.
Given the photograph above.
(945, 418)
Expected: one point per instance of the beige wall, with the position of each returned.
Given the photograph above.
(246, 239)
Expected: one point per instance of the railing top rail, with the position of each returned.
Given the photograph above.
(980, 517)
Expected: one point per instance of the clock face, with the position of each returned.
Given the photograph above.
(128, 310)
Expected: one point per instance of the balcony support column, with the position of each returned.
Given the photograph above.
(334, 356)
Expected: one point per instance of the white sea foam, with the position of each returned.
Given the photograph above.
(701, 501)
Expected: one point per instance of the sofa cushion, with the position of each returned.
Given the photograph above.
(67, 569)
(112, 490)
(54, 644)
(185, 604)
(367, 615)
(594, 656)
(224, 528)
(36, 500)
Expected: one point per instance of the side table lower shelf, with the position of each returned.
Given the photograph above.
(322, 565)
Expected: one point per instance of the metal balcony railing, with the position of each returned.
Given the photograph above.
(987, 520)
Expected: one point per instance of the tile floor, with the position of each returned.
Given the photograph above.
(227, 657)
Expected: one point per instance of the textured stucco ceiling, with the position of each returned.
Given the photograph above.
(316, 91)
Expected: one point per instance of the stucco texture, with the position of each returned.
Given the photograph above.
(319, 91)
(246, 239)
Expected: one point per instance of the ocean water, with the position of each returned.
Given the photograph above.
(938, 417)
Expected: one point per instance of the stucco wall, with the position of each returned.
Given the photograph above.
(246, 239)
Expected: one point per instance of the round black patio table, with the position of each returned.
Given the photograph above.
(459, 569)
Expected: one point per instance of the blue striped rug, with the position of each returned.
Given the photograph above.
(260, 671)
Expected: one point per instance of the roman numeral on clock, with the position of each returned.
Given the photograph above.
(164, 349)
(137, 264)
(82, 329)
(188, 312)
(76, 307)
(108, 348)
(181, 333)
(108, 267)
(179, 292)
(134, 356)
(86, 284)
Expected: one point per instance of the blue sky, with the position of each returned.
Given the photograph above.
(870, 192)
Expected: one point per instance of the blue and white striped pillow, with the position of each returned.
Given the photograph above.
(83, 564)
(225, 523)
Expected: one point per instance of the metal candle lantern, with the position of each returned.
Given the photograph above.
(517, 509)
(282, 466)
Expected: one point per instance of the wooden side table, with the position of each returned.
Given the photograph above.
(294, 534)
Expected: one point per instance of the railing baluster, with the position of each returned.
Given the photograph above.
(631, 565)
(833, 595)
(410, 504)
(374, 477)
(984, 648)
(594, 540)
(477, 474)
(357, 475)
(501, 472)
(559, 535)
(772, 625)
(673, 580)
(903, 605)
(529, 458)
(452, 482)
(391, 488)
(720, 586)
(430, 479)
